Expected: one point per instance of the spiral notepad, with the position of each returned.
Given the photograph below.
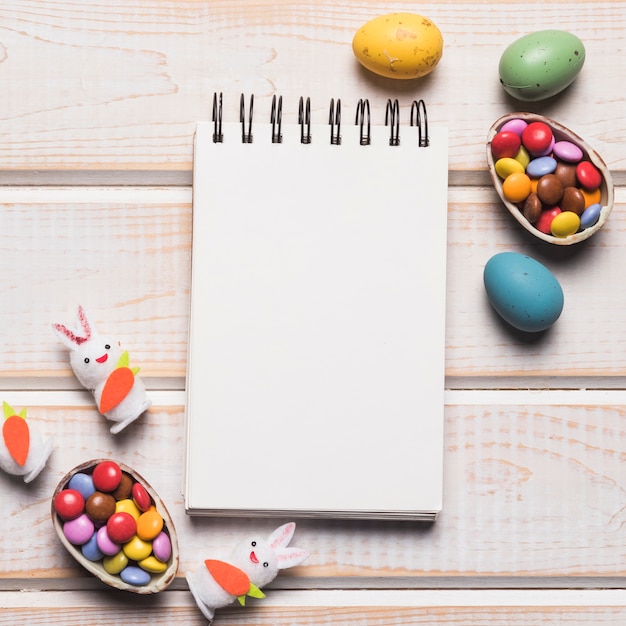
(315, 381)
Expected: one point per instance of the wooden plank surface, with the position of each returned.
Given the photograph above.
(118, 85)
(99, 104)
(125, 253)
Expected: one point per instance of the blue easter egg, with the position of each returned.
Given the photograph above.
(523, 292)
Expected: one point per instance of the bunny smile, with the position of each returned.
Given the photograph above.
(103, 358)
(253, 557)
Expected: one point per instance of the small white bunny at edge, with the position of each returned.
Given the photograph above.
(101, 366)
(254, 562)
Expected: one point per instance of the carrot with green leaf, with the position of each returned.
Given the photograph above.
(23, 449)
(16, 434)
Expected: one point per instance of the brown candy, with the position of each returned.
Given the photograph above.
(573, 200)
(532, 208)
(100, 506)
(566, 173)
(550, 189)
(124, 488)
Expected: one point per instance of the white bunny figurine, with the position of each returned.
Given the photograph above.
(101, 366)
(23, 450)
(253, 563)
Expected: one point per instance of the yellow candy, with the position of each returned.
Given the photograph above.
(516, 187)
(506, 166)
(116, 563)
(565, 224)
(137, 549)
(149, 525)
(128, 506)
(153, 565)
(522, 156)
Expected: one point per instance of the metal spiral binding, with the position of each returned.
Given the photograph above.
(334, 119)
(276, 118)
(363, 121)
(392, 119)
(218, 136)
(418, 110)
(304, 119)
(246, 137)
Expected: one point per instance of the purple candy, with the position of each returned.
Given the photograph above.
(568, 151)
(517, 126)
(105, 544)
(162, 547)
(78, 531)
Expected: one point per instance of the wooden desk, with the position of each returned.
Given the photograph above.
(98, 106)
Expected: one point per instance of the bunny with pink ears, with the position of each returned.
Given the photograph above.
(101, 366)
(253, 563)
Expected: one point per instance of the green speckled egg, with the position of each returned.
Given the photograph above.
(541, 64)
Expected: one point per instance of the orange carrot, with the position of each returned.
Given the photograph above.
(116, 388)
(17, 438)
(230, 578)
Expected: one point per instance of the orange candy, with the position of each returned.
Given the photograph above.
(149, 525)
(516, 187)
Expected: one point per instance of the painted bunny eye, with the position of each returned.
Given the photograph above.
(266, 564)
(86, 359)
(107, 346)
(253, 544)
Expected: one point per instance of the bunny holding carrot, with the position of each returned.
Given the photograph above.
(101, 366)
(253, 563)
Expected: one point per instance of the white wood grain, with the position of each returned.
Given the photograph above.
(99, 105)
(531, 493)
(99, 85)
(125, 253)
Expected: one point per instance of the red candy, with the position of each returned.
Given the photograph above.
(506, 143)
(69, 504)
(537, 137)
(107, 476)
(588, 175)
(121, 527)
(141, 497)
(544, 221)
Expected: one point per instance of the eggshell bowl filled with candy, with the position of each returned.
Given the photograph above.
(115, 525)
(551, 181)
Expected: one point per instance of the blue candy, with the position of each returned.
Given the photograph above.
(90, 549)
(590, 215)
(134, 575)
(83, 483)
(541, 166)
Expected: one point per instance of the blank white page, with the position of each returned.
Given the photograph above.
(315, 383)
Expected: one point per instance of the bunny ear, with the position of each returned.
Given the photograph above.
(70, 337)
(67, 336)
(84, 323)
(290, 557)
(281, 537)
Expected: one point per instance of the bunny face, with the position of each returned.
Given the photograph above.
(92, 361)
(257, 559)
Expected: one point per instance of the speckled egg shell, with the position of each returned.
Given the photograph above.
(523, 292)
(541, 64)
(399, 45)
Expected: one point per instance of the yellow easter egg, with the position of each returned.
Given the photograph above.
(398, 45)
